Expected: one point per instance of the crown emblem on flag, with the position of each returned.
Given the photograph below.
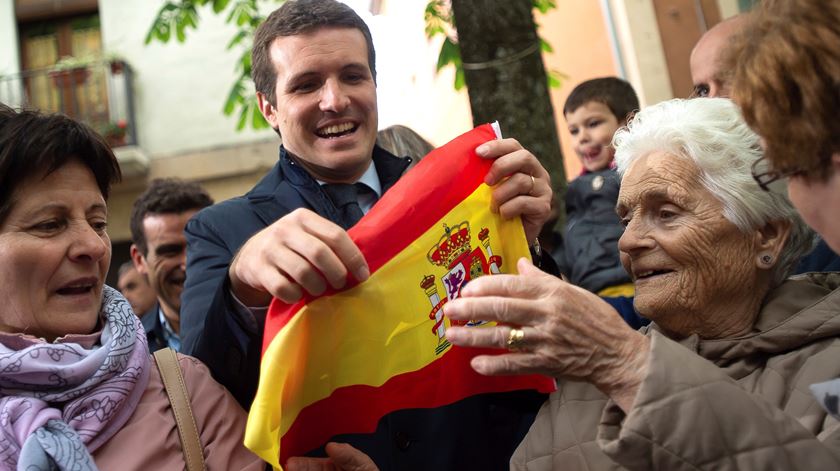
(428, 282)
(454, 253)
(454, 243)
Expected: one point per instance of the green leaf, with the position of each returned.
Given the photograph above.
(545, 46)
(234, 12)
(430, 9)
(257, 119)
(246, 63)
(553, 82)
(460, 80)
(433, 10)
(544, 5)
(152, 34)
(160, 25)
(235, 97)
(433, 30)
(219, 5)
(449, 53)
(436, 16)
(556, 78)
(244, 18)
(243, 64)
(179, 31)
(164, 33)
(243, 117)
(191, 20)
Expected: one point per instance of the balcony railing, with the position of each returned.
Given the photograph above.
(99, 94)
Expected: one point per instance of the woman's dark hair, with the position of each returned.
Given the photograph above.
(32, 143)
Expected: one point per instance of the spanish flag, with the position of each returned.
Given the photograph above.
(337, 363)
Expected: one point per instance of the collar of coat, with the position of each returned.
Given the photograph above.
(270, 197)
(802, 310)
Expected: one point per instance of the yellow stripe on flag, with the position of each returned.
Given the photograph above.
(363, 336)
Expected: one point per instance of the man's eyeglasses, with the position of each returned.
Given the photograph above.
(764, 179)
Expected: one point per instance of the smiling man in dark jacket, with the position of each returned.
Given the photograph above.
(159, 252)
(314, 71)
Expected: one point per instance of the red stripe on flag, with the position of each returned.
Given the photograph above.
(358, 408)
(428, 194)
(446, 183)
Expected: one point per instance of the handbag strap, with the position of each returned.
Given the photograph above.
(173, 383)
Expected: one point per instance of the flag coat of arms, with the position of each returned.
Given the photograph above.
(336, 363)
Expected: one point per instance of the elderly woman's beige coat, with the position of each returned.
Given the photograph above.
(716, 404)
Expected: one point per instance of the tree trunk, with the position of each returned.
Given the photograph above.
(506, 79)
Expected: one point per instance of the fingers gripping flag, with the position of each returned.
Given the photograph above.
(336, 363)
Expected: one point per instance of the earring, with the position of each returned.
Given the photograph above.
(767, 259)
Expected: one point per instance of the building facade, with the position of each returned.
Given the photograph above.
(161, 104)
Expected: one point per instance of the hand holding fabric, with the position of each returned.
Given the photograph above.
(523, 185)
(300, 252)
(342, 457)
(568, 332)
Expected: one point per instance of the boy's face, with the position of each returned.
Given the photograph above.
(592, 126)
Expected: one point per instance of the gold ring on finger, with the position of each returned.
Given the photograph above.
(516, 340)
(533, 184)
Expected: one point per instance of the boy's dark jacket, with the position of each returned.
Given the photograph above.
(590, 256)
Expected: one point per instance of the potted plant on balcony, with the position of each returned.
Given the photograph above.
(70, 70)
(115, 61)
(114, 132)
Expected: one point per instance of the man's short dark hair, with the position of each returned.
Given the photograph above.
(618, 95)
(32, 143)
(299, 17)
(165, 196)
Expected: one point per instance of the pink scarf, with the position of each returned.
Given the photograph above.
(60, 401)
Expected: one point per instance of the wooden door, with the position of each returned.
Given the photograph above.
(681, 23)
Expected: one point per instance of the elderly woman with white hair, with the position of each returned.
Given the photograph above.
(720, 379)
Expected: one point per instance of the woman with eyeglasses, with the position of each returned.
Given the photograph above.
(787, 82)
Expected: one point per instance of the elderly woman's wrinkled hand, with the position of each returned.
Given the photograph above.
(567, 332)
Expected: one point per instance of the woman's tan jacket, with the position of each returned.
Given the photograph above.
(149, 440)
(729, 404)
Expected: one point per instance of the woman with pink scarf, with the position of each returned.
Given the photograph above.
(78, 388)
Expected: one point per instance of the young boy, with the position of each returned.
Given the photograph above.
(594, 111)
